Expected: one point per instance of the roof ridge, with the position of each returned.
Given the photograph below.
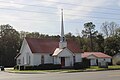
(39, 38)
(48, 45)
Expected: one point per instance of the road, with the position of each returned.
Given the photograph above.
(99, 75)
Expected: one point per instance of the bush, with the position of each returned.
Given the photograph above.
(118, 63)
(78, 65)
(17, 67)
(103, 65)
(49, 66)
(40, 67)
(29, 67)
(110, 63)
(82, 65)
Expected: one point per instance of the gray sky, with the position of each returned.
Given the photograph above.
(43, 16)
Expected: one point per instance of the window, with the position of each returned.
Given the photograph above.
(18, 62)
(42, 59)
(74, 59)
(97, 61)
(29, 60)
(63, 39)
(23, 60)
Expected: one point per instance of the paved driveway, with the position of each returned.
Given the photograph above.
(101, 75)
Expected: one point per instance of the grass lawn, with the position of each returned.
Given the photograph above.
(109, 67)
(114, 67)
(92, 68)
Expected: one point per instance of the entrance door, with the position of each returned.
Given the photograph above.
(62, 61)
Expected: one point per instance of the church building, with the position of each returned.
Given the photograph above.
(45, 51)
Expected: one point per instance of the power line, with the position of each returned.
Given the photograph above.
(54, 21)
(26, 10)
(28, 4)
(57, 8)
(95, 17)
(98, 12)
(80, 5)
(55, 13)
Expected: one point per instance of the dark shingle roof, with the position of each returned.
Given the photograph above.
(49, 45)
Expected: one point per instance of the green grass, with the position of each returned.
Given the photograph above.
(114, 67)
(109, 67)
(92, 68)
(95, 68)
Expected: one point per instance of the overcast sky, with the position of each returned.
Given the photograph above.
(43, 16)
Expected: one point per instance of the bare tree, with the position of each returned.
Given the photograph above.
(109, 29)
(104, 27)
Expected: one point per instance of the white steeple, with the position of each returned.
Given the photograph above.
(62, 37)
(62, 43)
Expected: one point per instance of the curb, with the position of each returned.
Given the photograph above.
(61, 71)
(26, 72)
(91, 70)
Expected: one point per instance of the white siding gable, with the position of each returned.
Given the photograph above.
(65, 53)
(25, 54)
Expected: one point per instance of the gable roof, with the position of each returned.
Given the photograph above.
(96, 54)
(49, 45)
(17, 56)
(57, 51)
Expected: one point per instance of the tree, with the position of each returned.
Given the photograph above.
(112, 45)
(33, 35)
(10, 42)
(118, 32)
(69, 36)
(23, 34)
(99, 40)
(89, 32)
(109, 29)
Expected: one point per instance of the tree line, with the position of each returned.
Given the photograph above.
(107, 41)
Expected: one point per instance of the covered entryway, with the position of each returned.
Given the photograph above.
(63, 57)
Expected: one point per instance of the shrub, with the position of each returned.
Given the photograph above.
(17, 67)
(78, 65)
(118, 63)
(29, 67)
(40, 67)
(49, 66)
(82, 65)
(103, 65)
